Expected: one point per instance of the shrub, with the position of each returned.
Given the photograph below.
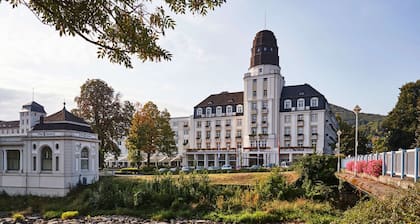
(361, 166)
(350, 165)
(51, 214)
(69, 215)
(18, 217)
(374, 168)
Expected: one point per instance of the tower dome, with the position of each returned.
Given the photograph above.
(264, 49)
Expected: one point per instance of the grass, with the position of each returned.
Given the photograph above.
(233, 178)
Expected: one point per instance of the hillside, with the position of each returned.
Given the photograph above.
(349, 117)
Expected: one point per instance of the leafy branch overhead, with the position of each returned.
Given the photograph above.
(119, 28)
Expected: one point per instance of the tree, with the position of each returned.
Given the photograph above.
(347, 139)
(119, 28)
(403, 121)
(108, 116)
(149, 133)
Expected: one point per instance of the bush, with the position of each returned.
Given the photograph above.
(69, 215)
(350, 166)
(18, 217)
(361, 166)
(374, 168)
(51, 214)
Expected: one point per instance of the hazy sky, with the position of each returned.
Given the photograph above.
(353, 52)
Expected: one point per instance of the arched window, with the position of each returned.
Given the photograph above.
(199, 111)
(301, 104)
(239, 109)
(287, 104)
(219, 111)
(208, 111)
(84, 159)
(229, 110)
(46, 159)
(314, 101)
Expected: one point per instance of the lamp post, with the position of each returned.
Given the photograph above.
(338, 151)
(356, 110)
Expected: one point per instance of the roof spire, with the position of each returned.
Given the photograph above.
(64, 103)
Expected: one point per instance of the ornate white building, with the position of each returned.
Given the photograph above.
(267, 123)
(46, 155)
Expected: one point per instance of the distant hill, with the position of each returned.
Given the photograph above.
(349, 117)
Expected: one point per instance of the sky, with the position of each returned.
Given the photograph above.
(353, 52)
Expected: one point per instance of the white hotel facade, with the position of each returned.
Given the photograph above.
(267, 123)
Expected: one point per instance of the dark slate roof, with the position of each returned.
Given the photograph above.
(63, 120)
(34, 106)
(222, 99)
(62, 126)
(304, 91)
(64, 115)
(9, 124)
(264, 49)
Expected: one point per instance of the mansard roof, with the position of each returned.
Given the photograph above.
(222, 99)
(63, 120)
(304, 91)
(34, 106)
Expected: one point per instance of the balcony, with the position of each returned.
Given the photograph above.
(264, 123)
(314, 136)
(198, 137)
(227, 136)
(253, 124)
(208, 127)
(300, 123)
(238, 136)
(264, 110)
(300, 136)
(227, 125)
(287, 136)
(185, 125)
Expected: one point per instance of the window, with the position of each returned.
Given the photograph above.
(228, 122)
(313, 143)
(254, 131)
(314, 129)
(254, 118)
(218, 123)
(34, 163)
(239, 122)
(218, 145)
(287, 143)
(300, 130)
(84, 159)
(208, 124)
(254, 93)
(239, 145)
(265, 93)
(265, 131)
(314, 117)
(208, 145)
(199, 111)
(239, 109)
(199, 145)
(57, 164)
(198, 124)
(254, 105)
(287, 104)
(287, 119)
(186, 132)
(300, 143)
(238, 133)
(286, 130)
(228, 134)
(228, 145)
(314, 102)
(265, 104)
(301, 104)
(263, 143)
(300, 117)
(13, 159)
(208, 134)
(219, 111)
(218, 134)
(208, 111)
(229, 110)
(198, 136)
(46, 159)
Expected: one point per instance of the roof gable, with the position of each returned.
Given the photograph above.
(222, 99)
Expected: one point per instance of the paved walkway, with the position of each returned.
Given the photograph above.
(372, 187)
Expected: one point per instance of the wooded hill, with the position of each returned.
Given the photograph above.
(349, 117)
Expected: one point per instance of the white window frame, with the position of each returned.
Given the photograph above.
(300, 104)
(84, 159)
(199, 111)
(239, 109)
(208, 111)
(314, 102)
(219, 111)
(229, 110)
(287, 104)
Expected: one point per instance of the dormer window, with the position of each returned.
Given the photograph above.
(208, 111)
(287, 104)
(218, 111)
(229, 110)
(301, 104)
(199, 111)
(239, 109)
(314, 102)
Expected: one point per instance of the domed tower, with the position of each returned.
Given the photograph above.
(263, 84)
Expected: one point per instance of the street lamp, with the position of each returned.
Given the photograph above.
(356, 110)
(338, 150)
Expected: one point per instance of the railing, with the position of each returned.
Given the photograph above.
(402, 163)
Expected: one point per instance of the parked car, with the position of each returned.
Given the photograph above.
(269, 166)
(173, 169)
(213, 168)
(186, 169)
(254, 167)
(285, 164)
(226, 167)
(163, 170)
(199, 168)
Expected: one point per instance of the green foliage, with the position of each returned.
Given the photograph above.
(349, 118)
(69, 215)
(317, 178)
(403, 121)
(119, 28)
(107, 115)
(18, 217)
(402, 207)
(150, 132)
(52, 214)
(347, 139)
